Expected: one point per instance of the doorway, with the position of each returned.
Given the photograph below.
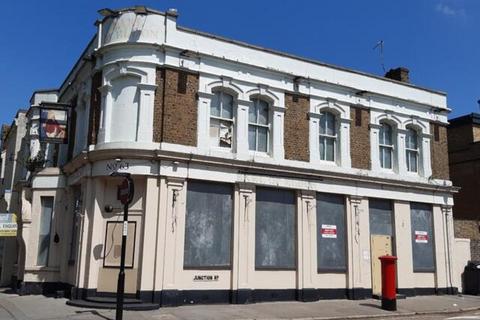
(381, 239)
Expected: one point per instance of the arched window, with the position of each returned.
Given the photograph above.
(259, 126)
(411, 150)
(327, 136)
(386, 146)
(221, 120)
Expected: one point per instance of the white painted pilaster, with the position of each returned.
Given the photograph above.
(241, 128)
(400, 164)
(344, 160)
(306, 248)
(314, 137)
(145, 112)
(278, 151)
(243, 247)
(106, 114)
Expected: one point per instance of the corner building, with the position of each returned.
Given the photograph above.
(259, 176)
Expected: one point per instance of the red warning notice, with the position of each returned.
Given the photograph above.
(421, 236)
(328, 231)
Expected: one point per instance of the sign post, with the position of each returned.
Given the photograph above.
(125, 195)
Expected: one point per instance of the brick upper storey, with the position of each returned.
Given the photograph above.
(180, 90)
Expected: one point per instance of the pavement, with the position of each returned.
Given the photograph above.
(14, 307)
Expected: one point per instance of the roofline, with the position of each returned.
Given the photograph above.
(41, 91)
(281, 53)
(317, 62)
(472, 118)
(61, 89)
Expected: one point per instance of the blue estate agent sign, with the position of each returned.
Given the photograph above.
(8, 225)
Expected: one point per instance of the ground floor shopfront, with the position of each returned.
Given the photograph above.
(204, 234)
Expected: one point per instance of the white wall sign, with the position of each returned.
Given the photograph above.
(329, 231)
(8, 225)
(421, 236)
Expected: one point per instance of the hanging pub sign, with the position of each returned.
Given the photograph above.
(53, 125)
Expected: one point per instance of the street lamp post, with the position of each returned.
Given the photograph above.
(125, 195)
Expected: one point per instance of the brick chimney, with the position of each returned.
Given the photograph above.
(399, 74)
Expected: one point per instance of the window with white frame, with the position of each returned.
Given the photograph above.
(411, 150)
(327, 136)
(385, 143)
(221, 120)
(259, 126)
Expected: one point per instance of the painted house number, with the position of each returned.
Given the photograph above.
(206, 278)
(115, 166)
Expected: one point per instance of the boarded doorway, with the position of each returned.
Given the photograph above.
(381, 238)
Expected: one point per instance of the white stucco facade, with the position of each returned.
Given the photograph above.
(128, 50)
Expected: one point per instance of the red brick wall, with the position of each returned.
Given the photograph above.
(296, 123)
(175, 107)
(360, 138)
(439, 152)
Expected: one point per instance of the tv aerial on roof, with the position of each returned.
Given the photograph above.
(380, 44)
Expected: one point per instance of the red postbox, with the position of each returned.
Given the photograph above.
(389, 286)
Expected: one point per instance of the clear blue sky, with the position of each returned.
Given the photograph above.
(438, 40)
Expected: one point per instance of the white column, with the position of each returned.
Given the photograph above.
(278, 151)
(150, 234)
(145, 112)
(306, 248)
(359, 264)
(203, 135)
(243, 248)
(345, 160)
(450, 254)
(241, 128)
(174, 231)
(106, 114)
(403, 244)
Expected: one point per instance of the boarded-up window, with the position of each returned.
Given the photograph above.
(331, 233)
(45, 230)
(113, 244)
(381, 217)
(275, 229)
(422, 237)
(208, 226)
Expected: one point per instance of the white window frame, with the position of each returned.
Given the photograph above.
(259, 125)
(327, 136)
(415, 151)
(222, 119)
(382, 146)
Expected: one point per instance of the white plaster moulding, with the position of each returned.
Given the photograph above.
(242, 165)
(351, 90)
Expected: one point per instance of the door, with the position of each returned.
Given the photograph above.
(380, 245)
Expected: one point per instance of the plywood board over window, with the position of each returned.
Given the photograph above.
(113, 244)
